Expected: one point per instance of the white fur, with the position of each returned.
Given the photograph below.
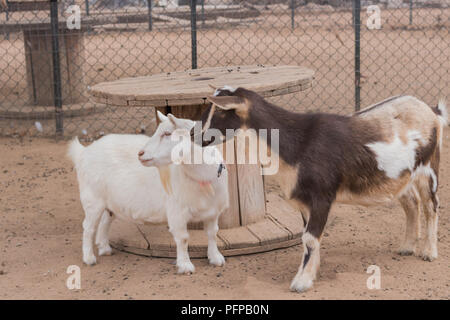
(442, 106)
(427, 171)
(111, 178)
(307, 274)
(225, 87)
(394, 157)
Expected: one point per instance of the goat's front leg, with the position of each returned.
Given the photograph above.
(214, 256)
(178, 219)
(311, 247)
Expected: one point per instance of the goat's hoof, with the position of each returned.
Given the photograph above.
(218, 260)
(90, 261)
(429, 255)
(186, 268)
(301, 284)
(105, 251)
(406, 252)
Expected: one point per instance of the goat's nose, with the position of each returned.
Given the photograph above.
(141, 153)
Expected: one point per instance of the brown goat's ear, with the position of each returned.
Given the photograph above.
(229, 102)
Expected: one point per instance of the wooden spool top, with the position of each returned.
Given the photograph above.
(191, 87)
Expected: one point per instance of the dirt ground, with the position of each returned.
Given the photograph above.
(40, 236)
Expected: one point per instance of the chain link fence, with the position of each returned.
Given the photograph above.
(361, 51)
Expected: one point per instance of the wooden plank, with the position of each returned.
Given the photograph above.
(158, 237)
(282, 213)
(191, 87)
(238, 238)
(251, 193)
(259, 237)
(250, 182)
(202, 254)
(231, 217)
(268, 232)
(198, 241)
(264, 248)
(199, 102)
(189, 112)
(127, 234)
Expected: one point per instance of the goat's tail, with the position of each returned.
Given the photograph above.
(75, 151)
(441, 111)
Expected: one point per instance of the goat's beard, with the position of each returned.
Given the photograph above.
(164, 176)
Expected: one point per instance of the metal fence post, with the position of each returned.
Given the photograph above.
(150, 21)
(203, 12)
(410, 11)
(292, 14)
(7, 19)
(357, 27)
(194, 33)
(87, 7)
(56, 68)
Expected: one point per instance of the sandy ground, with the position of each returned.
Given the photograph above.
(40, 236)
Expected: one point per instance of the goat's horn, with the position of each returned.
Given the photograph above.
(213, 87)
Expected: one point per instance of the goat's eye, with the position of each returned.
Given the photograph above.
(166, 134)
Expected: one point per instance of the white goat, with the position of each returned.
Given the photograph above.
(113, 183)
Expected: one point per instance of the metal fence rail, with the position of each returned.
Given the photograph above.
(362, 52)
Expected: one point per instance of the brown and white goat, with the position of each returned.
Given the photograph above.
(387, 151)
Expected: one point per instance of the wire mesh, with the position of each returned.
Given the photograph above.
(408, 53)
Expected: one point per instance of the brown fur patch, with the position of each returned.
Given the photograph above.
(287, 178)
(424, 153)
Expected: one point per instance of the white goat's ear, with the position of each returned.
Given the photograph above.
(161, 116)
(229, 102)
(172, 118)
(181, 123)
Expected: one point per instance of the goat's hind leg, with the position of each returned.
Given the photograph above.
(430, 204)
(102, 237)
(430, 251)
(411, 204)
(93, 210)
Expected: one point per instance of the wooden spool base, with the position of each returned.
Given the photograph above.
(282, 227)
